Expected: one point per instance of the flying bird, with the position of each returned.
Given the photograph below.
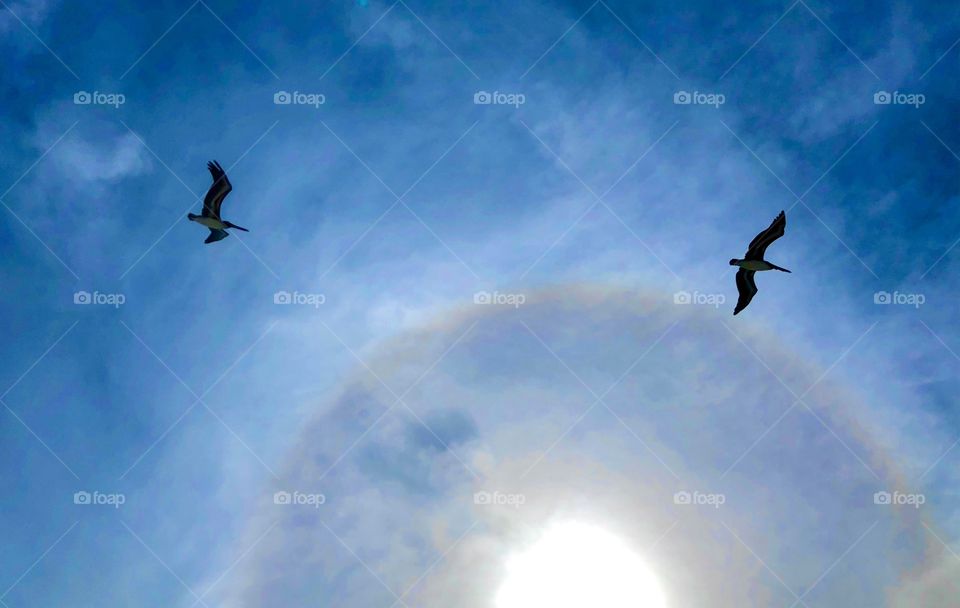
(753, 261)
(210, 217)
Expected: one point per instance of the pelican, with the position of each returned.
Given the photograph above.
(753, 261)
(210, 217)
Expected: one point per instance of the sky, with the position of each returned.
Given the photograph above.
(485, 291)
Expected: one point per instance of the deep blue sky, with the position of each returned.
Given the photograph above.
(492, 197)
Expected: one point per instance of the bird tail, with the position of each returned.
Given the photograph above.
(778, 268)
(229, 225)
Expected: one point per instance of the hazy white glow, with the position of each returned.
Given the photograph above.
(577, 565)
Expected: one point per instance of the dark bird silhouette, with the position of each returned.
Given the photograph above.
(753, 261)
(210, 217)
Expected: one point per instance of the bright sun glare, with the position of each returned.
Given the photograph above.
(576, 565)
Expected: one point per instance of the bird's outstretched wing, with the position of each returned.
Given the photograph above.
(216, 235)
(218, 191)
(758, 246)
(746, 287)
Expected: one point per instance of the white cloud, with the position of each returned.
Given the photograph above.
(104, 159)
(30, 12)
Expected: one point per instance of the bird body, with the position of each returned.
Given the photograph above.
(753, 261)
(210, 217)
(754, 265)
(209, 222)
(757, 265)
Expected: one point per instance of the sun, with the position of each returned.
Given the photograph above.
(576, 565)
